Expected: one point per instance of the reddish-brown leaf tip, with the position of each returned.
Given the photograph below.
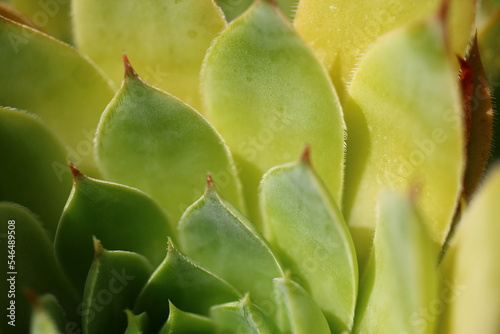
(129, 70)
(306, 155)
(76, 173)
(98, 249)
(210, 182)
(32, 297)
(443, 16)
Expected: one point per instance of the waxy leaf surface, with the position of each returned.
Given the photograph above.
(404, 115)
(152, 141)
(471, 271)
(185, 284)
(113, 284)
(51, 79)
(121, 217)
(34, 267)
(29, 173)
(306, 228)
(180, 322)
(268, 96)
(297, 311)
(341, 31)
(166, 39)
(400, 285)
(213, 233)
(242, 317)
(479, 118)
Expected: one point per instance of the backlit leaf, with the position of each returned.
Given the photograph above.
(268, 96)
(167, 39)
(307, 230)
(404, 115)
(152, 141)
(123, 218)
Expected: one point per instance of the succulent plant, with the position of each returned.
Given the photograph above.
(265, 167)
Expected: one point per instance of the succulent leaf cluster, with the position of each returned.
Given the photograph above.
(268, 166)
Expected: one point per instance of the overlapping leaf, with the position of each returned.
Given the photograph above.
(113, 284)
(404, 116)
(50, 79)
(186, 285)
(309, 234)
(298, 313)
(152, 141)
(242, 317)
(219, 238)
(121, 217)
(268, 96)
(471, 273)
(29, 263)
(341, 32)
(167, 39)
(180, 322)
(400, 286)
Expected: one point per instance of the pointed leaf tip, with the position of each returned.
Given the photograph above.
(306, 155)
(76, 173)
(129, 70)
(210, 182)
(98, 249)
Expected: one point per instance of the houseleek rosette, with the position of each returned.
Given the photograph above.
(265, 167)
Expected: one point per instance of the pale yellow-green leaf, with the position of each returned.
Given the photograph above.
(50, 16)
(471, 270)
(400, 287)
(298, 313)
(404, 116)
(242, 317)
(51, 79)
(151, 140)
(268, 96)
(341, 31)
(33, 167)
(166, 39)
(309, 234)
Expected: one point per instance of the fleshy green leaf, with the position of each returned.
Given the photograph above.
(113, 284)
(213, 233)
(167, 39)
(47, 316)
(268, 96)
(400, 285)
(137, 324)
(29, 172)
(180, 322)
(341, 31)
(186, 285)
(242, 317)
(309, 234)
(42, 323)
(298, 313)
(50, 16)
(121, 217)
(234, 8)
(50, 79)
(472, 295)
(479, 118)
(152, 141)
(29, 262)
(404, 116)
